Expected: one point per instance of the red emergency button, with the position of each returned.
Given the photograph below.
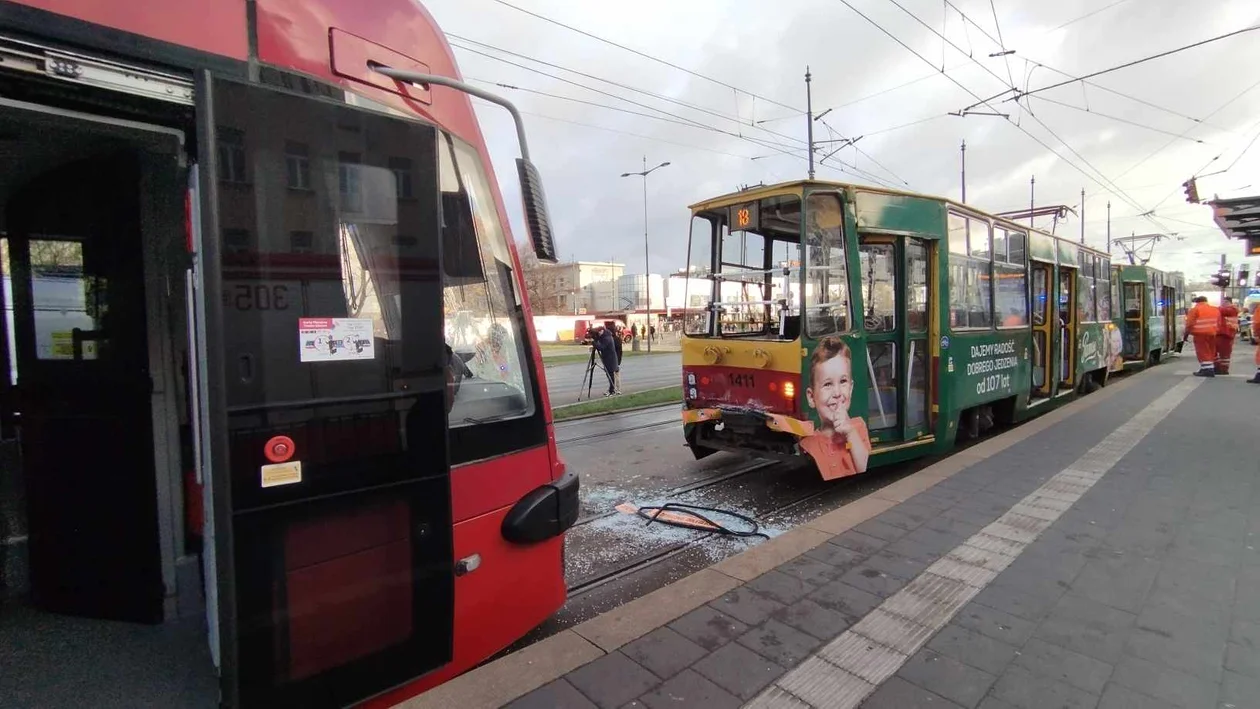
(279, 449)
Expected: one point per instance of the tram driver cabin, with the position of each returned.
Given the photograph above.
(944, 320)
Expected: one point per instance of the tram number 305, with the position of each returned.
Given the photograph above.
(993, 382)
(244, 296)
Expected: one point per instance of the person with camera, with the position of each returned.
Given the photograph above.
(608, 346)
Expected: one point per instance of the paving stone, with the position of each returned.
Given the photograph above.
(739, 670)
(708, 627)
(861, 543)
(1081, 671)
(880, 530)
(556, 695)
(1242, 660)
(814, 619)
(746, 605)
(994, 623)
(1216, 521)
(1246, 633)
(1087, 627)
(1046, 567)
(817, 571)
(970, 515)
(1178, 641)
(1120, 697)
(972, 648)
(874, 581)
(689, 689)
(1033, 603)
(933, 500)
(908, 519)
(947, 677)
(780, 643)
(924, 545)
(992, 702)
(839, 557)
(664, 651)
(951, 527)
(1238, 690)
(851, 602)
(780, 587)
(1026, 690)
(1118, 580)
(1205, 548)
(612, 680)
(1197, 582)
(1247, 593)
(1164, 683)
(897, 693)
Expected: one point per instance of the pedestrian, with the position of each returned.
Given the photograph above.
(1225, 338)
(1203, 322)
(617, 342)
(1255, 337)
(605, 344)
(652, 332)
(634, 331)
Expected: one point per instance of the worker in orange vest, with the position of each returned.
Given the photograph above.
(1203, 322)
(1228, 333)
(1255, 337)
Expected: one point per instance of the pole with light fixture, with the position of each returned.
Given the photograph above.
(647, 264)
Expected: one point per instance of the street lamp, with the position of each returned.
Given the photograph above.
(647, 266)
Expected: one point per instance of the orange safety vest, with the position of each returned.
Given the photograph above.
(1203, 319)
(1229, 319)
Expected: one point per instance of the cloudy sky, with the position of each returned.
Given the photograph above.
(728, 112)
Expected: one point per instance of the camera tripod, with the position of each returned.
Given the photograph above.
(588, 379)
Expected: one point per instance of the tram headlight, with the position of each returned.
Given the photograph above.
(691, 378)
(691, 393)
(789, 390)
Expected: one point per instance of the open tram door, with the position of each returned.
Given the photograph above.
(324, 373)
(1135, 308)
(1067, 325)
(1168, 306)
(1044, 329)
(897, 298)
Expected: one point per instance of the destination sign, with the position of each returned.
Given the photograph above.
(744, 217)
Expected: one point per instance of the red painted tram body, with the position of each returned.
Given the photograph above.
(272, 371)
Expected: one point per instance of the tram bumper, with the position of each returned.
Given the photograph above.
(745, 430)
(546, 512)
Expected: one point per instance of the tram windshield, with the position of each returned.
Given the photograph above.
(744, 270)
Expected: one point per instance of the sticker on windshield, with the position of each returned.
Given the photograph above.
(335, 339)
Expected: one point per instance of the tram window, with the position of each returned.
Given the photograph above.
(1102, 269)
(826, 282)
(699, 288)
(67, 296)
(979, 276)
(1088, 285)
(979, 240)
(1011, 304)
(483, 316)
(1133, 300)
(1015, 248)
(958, 234)
(881, 393)
(917, 287)
(999, 245)
(879, 287)
(1115, 293)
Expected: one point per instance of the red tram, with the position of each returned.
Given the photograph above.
(272, 381)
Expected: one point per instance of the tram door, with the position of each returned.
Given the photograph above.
(329, 445)
(1043, 334)
(1169, 304)
(895, 280)
(1067, 328)
(1134, 293)
(83, 390)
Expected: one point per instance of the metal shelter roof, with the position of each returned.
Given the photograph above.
(1238, 218)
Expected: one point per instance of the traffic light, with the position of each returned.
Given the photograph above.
(1220, 279)
(1192, 191)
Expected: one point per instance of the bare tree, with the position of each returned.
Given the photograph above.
(539, 284)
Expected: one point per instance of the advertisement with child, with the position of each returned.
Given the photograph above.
(840, 444)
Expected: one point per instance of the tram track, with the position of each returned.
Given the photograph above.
(673, 421)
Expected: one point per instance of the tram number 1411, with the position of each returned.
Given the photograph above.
(993, 382)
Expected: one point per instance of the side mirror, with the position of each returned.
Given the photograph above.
(536, 219)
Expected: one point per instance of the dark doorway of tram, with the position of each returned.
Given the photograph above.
(99, 605)
(1067, 321)
(1044, 331)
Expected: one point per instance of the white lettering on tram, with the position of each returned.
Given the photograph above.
(990, 361)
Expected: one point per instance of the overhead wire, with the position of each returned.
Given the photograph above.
(644, 55)
(1118, 119)
(1088, 15)
(1114, 188)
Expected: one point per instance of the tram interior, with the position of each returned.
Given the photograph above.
(101, 588)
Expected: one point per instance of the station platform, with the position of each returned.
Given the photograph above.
(1106, 554)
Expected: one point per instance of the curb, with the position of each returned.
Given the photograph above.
(497, 683)
(600, 414)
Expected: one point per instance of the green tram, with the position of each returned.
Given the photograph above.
(860, 326)
(1151, 313)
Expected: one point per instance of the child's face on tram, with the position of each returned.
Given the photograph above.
(831, 388)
